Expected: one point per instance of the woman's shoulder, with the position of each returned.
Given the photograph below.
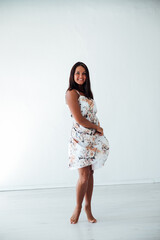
(72, 92)
(71, 95)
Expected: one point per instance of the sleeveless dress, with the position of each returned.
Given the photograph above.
(86, 147)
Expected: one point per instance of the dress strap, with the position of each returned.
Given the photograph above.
(78, 92)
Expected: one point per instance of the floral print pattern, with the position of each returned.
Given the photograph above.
(86, 146)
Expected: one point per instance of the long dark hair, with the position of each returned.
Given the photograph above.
(86, 86)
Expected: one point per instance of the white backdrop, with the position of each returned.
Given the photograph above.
(39, 43)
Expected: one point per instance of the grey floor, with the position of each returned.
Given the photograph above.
(124, 212)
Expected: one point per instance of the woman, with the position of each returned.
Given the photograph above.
(88, 147)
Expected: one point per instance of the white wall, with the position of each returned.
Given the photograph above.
(39, 43)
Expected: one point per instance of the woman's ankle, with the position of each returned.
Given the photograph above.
(87, 206)
(78, 207)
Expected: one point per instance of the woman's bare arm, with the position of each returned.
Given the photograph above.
(72, 101)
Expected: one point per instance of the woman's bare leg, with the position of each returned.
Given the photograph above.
(80, 192)
(88, 197)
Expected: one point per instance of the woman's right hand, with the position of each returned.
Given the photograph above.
(99, 130)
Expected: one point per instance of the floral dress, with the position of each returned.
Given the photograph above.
(86, 146)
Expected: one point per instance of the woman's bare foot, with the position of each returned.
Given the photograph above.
(75, 215)
(89, 215)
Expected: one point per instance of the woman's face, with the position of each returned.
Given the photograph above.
(80, 75)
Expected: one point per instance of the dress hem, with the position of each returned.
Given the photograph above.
(99, 166)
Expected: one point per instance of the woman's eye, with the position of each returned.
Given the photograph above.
(77, 73)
